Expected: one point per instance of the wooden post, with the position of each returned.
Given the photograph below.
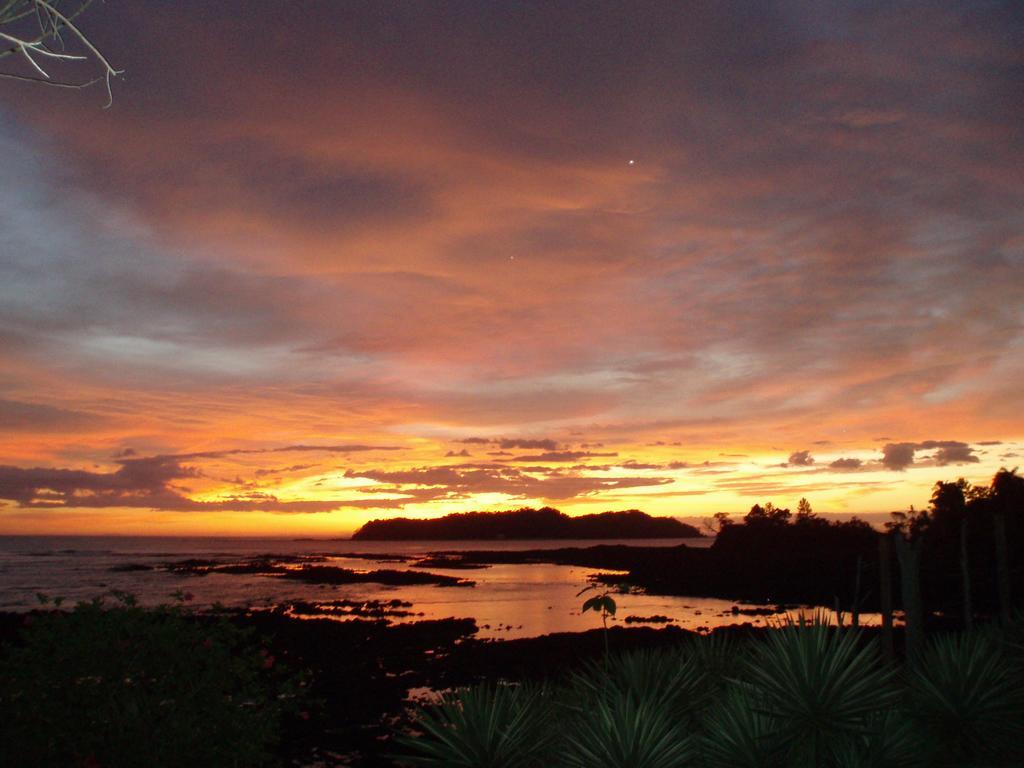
(1002, 565)
(909, 555)
(855, 608)
(965, 575)
(885, 593)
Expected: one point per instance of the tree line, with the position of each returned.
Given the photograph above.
(952, 560)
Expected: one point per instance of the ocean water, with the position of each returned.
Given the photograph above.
(508, 601)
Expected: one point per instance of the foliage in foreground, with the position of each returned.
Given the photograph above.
(483, 727)
(126, 686)
(966, 696)
(807, 695)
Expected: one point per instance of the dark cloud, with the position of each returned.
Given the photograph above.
(950, 452)
(846, 464)
(562, 456)
(282, 184)
(543, 444)
(449, 482)
(147, 483)
(299, 448)
(634, 464)
(138, 482)
(16, 415)
(899, 456)
(463, 452)
(800, 459)
(448, 476)
(506, 443)
(628, 464)
(283, 470)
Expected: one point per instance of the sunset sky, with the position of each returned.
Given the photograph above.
(326, 262)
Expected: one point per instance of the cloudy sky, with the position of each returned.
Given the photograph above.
(324, 263)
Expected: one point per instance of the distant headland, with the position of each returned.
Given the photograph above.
(527, 523)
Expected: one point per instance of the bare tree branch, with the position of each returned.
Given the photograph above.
(51, 21)
(53, 83)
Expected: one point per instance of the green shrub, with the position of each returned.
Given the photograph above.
(819, 686)
(670, 681)
(622, 731)
(721, 656)
(482, 727)
(967, 696)
(890, 740)
(123, 686)
(806, 695)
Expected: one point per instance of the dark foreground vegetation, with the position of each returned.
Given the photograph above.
(122, 686)
(113, 684)
(105, 686)
(801, 696)
(544, 523)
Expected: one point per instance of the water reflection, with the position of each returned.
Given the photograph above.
(508, 601)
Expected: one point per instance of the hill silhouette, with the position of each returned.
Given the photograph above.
(527, 523)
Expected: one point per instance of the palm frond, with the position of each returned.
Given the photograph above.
(737, 733)
(819, 685)
(622, 732)
(890, 741)
(669, 680)
(968, 696)
(481, 727)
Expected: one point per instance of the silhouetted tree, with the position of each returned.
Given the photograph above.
(803, 510)
(1008, 494)
(768, 515)
(949, 512)
(806, 520)
(717, 522)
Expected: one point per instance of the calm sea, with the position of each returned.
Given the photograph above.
(508, 601)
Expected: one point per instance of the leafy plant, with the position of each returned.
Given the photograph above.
(805, 695)
(668, 680)
(820, 686)
(738, 732)
(481, 727)
(889, 741)
(602, 603)
(721, 657)
(621, 731)
(966, 693)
